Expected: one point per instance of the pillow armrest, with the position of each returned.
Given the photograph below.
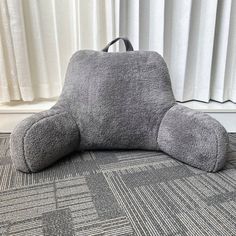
(194, 138)
(42, 139)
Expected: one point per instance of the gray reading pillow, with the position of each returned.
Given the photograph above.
(118, 100)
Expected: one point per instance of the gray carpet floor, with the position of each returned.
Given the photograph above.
(117, 193)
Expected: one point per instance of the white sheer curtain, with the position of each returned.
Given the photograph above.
(38, 38)
(196, 37)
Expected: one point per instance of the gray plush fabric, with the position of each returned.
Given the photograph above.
(115, 101)
(194, 138)
(42, 139)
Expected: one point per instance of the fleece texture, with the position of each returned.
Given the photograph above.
(194, 138)
(42, 139)
(118, 101)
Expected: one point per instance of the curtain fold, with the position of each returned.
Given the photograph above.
(197, 39)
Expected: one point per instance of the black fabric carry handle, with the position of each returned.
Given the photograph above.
(127, 43)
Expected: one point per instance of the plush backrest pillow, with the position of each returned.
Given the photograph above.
(118, 100)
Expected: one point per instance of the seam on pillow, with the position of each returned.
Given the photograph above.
(217, 145)
(72, 117)
(217, 152)
(26, 132)
(161, 122)
(69, 111)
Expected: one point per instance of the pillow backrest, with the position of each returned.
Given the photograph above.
(117, 99)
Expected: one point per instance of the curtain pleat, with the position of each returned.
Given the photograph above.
(201, 41)
(15, 72)
(176, 42)
(195, 37)
(223, 66)
(156, 25)
(129, 21)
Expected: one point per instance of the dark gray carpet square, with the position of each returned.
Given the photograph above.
(117, 193)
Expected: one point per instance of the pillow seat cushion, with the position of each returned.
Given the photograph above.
(118, 101)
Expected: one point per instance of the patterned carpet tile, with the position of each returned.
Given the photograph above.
(117, 193)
